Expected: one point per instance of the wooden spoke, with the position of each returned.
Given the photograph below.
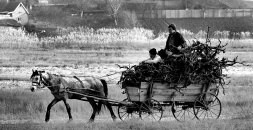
(182, 112)
(151, 110)
(128, 112)
(207, 106)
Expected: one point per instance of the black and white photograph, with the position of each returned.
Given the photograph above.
(126, 64)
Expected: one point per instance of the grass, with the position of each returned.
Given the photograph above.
(16, 38)
(137, 125)
(22, 109)
(22, 104)
(81, 38)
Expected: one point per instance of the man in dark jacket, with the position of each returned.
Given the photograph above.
(175, 41)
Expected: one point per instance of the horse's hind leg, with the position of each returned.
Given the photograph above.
(49, 107)
(68, 109)
(109, 106)
(94, 106)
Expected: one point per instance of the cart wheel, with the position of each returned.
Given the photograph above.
(182, 112)
(207, 106)
(128, 112)
(151, 110)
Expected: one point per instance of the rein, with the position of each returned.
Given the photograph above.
(107, 75)
(47, 84)
(111, 74)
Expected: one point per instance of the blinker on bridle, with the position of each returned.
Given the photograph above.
(41, 81)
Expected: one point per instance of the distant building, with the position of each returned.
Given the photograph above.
(13, 11)
(43, 2)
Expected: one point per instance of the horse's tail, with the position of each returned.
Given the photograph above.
(106, 94)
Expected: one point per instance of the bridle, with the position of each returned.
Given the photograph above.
(41, 81)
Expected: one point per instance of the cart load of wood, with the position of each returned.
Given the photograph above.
(197, 64)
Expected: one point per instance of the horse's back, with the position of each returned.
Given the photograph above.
(94, 85)
(87, 82)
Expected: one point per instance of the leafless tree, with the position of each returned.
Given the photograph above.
(114, 7)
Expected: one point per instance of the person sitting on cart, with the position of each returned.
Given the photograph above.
(154, 58)
(175, 42)
(162, 53)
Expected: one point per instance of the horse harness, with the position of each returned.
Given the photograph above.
(49, 85)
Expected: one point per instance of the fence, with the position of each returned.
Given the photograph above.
(208, 13)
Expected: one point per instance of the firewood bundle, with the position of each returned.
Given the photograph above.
(196, 64)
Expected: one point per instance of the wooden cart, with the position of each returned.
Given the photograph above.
(148, 99)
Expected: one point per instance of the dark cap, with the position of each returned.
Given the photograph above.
(152, 51)
(173, 26)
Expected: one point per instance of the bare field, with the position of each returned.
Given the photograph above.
(63, 58)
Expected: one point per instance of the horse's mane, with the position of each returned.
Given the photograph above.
(54, 76)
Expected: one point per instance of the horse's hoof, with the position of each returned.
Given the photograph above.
(114, 118)
(70, 120)
(91, 121)
(46, 120)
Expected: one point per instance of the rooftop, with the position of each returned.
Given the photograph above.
(8, 7)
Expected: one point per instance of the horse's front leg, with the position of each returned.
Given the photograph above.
(49, 107)
(68, 109)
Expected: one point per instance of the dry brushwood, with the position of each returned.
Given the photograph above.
(196, 64)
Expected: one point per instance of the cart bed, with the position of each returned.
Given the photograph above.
(165, 92)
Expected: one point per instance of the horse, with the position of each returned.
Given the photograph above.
(59, 88)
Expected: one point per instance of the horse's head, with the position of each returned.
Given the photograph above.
(37, 80)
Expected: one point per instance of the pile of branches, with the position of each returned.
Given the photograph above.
(196, 64)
